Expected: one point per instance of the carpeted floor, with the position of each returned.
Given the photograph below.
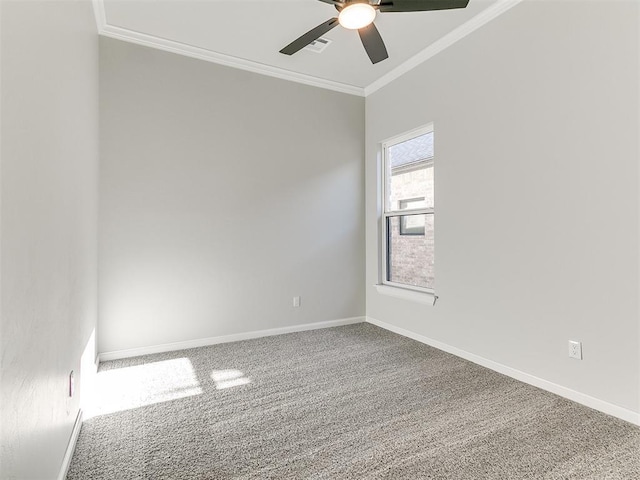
(353, 402)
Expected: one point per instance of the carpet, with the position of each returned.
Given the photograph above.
(351, 402)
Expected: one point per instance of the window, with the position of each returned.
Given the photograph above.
(408, 211)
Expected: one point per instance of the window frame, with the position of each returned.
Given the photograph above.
(386, 215)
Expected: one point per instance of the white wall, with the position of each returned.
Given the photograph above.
(536, 153)
(223, 194)
(49, 55)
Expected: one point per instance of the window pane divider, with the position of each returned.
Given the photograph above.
(414, 211)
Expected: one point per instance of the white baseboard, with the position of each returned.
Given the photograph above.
(204, 342)
(71, 446)
(592, 402)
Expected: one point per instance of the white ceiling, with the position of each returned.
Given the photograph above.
(249, 34)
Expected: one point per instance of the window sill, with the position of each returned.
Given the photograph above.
(407, 294)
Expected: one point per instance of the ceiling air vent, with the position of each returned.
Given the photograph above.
(318, 45)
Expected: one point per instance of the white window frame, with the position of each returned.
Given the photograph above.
(385, 215)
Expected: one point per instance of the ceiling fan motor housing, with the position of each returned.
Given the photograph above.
(341, 5)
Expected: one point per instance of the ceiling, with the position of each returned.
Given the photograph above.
(248, 34)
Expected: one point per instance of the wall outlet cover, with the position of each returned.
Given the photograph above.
(575, 349)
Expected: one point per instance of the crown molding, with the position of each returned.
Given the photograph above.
(99, 13)
(139, 38)
(104, 29)
(442, 43)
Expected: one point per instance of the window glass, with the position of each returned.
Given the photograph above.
(410, 172)
(408, 217)
(410, 260)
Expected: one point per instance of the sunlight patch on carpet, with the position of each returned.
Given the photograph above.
(133, 387)
(229, 378)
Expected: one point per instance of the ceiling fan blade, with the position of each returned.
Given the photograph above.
(373, 44)
(420, 5)
(333, 2)
(310, 36)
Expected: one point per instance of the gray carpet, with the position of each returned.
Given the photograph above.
(353, 402)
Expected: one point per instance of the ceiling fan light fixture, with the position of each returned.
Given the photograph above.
(356, 16)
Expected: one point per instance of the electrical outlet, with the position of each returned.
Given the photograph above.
(575, 349)
(72, 385)
(296, 301)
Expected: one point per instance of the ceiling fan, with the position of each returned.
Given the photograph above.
(359, 15)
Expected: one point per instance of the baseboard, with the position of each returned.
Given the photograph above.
(592, 402)
(71, 446)
(204, 342)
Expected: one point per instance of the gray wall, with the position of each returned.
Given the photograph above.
(49, 53)
(536, 154)
(223, 194)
